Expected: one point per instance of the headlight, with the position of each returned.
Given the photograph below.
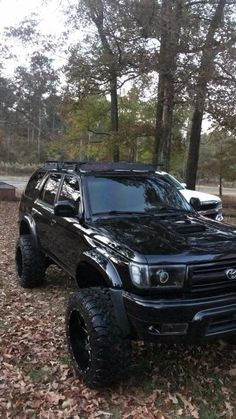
(219, 217)
(168, 276)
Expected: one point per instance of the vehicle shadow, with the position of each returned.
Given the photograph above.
(56, 278)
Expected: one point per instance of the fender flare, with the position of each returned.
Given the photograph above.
(114, 283)
(32, 227)
(104, 266)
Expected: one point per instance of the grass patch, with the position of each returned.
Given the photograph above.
(39, 374)
(207, 413)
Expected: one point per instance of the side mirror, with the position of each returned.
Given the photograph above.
(65, 209)
(184, 185)
(195, 203)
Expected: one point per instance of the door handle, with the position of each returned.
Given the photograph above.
(52, 222)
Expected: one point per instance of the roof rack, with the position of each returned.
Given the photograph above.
(62, 165)
(116, 167)
(86, 167)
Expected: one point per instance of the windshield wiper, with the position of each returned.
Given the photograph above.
(114, 212)
(169, 209)
(148, 213)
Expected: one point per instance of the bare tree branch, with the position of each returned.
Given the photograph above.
(98, 133)
(231, 76)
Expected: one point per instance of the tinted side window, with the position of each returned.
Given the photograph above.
(50, 189)
(70, 190)
(32, 188)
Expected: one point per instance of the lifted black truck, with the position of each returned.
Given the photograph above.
(147, 265)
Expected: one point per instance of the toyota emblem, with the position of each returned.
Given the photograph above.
(230, 273)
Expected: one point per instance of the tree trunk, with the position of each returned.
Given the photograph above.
(32, 135)
(221, 169)
(162, 145)
(167, 122)
(39, 136)
(132, 151)
(220, 186)
(97, 16)
(157, 151)
(114, 119)
(171, 24)
(28, 135)
(205, 73)
(194, 147)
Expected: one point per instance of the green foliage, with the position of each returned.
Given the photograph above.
(87, 123)
(88, 137)
(88, 133)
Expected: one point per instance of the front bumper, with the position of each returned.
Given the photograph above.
(181, 320)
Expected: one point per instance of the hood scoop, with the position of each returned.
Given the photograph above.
(189, 227)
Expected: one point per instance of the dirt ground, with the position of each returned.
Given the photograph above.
(36, 380)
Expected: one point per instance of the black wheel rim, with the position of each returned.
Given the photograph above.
(79, 340)
(19, 262)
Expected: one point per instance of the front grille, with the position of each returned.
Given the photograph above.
(210, 277)
(209, 205)
(212, 216)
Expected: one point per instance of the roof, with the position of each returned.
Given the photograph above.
(93, 167)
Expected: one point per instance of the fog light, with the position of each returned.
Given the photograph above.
(154, 330)
(168, 329)
(174, 328)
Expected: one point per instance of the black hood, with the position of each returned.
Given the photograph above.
(164, 239)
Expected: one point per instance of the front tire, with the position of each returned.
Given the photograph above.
(30, 263)
(99, 351)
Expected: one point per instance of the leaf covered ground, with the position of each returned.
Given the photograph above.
(36, 380)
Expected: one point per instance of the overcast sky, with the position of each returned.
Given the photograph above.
(13, 11)
(50, 16)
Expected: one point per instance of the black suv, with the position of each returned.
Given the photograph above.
(147, 265)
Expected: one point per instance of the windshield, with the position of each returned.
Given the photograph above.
(133, 194)
(174, 182)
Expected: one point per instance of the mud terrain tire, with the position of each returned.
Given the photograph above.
(99, 351)
(30, 264)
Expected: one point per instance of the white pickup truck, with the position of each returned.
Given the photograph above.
(211, 205)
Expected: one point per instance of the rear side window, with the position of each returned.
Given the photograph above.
(50, 189)
(70, 190)
(32, 189)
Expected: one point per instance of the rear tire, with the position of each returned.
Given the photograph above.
(99, 351)
(30, 263)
